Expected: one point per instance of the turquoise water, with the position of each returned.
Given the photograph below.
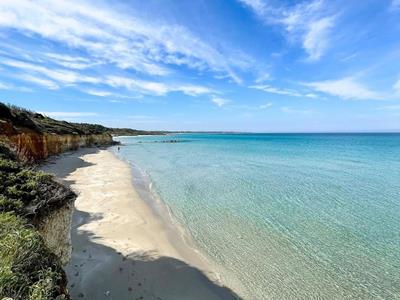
(291, 216)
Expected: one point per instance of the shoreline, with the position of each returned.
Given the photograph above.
(121, 248)
(176, 234)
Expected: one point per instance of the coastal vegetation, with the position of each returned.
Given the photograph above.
(28, 268)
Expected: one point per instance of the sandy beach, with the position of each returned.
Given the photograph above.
(121, 249)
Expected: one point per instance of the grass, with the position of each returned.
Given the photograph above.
(28, 269)
(27, 192)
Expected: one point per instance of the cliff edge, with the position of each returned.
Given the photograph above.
(34, 137)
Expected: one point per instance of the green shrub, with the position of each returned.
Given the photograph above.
(35, 190)
(7, 204)
(28, 270)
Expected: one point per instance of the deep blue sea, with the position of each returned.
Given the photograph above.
(291, 216)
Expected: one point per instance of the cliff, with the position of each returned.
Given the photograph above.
(35, 137)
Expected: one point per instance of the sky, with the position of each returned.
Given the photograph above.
(223, 65)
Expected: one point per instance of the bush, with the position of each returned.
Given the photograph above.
(28, 270)
(28, 192)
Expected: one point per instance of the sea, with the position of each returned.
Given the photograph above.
(289, 216)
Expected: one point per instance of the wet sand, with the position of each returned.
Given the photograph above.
(121, 249)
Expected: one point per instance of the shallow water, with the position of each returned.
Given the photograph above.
(292, 216)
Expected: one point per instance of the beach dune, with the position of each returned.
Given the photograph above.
(121, 250)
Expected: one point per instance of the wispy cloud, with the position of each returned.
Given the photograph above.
(70, 62)
(62, 76)
(347, 88)
(258, 6)
(270, 89)
(46, 83)
(281, 91)
(10, 86)
(98, 93)
(103, 93)
(156, 88)
(114, 37)
(219, 101)
(315, 40)
(52, 78)
(307, 23)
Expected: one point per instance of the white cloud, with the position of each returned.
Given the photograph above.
(311, 95)
(270, 89)
(98, 93)
(346, 88)
(219, 101)
(102, 93)
(316, 39)
(156, 88)
(68, 61)
(307, 23)
(65, 77)
(257, 5)
(192, 90)
(68, 114)
(117, 37)
(49, 84)
(310, 23)
(54, 78)
(266, 105)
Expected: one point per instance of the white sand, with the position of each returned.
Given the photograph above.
(121, 250)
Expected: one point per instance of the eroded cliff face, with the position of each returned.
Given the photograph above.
(33, 146)
(35, 137)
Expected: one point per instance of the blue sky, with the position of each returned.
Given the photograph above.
(240, 65)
